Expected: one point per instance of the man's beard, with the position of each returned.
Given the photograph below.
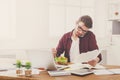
(80, 36)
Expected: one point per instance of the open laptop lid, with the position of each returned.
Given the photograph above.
(42, 59)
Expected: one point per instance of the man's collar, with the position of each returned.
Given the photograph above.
(71, 34)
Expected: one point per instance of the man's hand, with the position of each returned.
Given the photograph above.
(54, 51)
(93, 62)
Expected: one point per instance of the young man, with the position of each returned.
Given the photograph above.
(79, 40)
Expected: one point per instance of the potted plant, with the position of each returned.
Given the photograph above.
(18, 66)
(28, 71)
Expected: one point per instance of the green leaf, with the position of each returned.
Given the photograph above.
(18, 64)
(28, 65)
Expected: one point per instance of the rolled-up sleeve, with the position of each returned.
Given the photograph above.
(93, 45)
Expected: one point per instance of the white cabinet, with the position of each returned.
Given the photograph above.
(114, 17)
(115, 32)
(113, 51)
(113, 55)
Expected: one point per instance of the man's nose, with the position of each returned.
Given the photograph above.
(79, 31)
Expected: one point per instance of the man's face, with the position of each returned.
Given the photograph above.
(80, 29)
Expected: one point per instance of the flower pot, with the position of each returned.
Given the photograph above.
(28, 73)
(19, 71)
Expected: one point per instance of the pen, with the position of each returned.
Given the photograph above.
(84, 62)
(64, 68)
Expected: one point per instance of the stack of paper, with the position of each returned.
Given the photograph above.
(59, 73)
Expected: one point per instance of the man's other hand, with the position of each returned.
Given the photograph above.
(54, 51)
(93, 62)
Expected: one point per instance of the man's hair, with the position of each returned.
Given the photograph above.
(87, 20)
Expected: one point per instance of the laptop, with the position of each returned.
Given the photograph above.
(43, 59)
(82, 72)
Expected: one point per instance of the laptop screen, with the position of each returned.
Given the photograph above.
(42, 59)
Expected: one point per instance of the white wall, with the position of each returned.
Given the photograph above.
(102, 29)
(31, 25)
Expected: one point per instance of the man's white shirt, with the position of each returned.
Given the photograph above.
(74, 50)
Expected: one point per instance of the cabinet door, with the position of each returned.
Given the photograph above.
(113, 55)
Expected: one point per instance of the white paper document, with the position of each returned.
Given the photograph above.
(107, 71)
(85, 57)
(102, 72)
(115, 71)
